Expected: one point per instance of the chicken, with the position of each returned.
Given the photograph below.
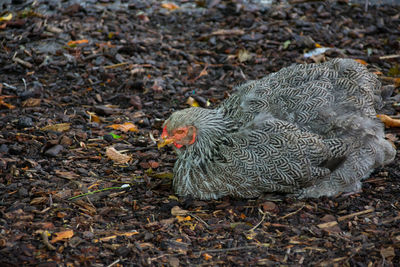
(309, 130)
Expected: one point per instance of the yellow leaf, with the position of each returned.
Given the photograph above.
(116, 156)
(244, 55)
(60, 127)
(318, 45)
(192, 102)
(7, 17)
(183, 219)
(62, 235)
(126, 127)
(169, 6)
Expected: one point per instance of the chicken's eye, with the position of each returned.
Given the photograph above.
(179, 132)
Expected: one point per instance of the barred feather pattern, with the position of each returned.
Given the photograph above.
(309, 130)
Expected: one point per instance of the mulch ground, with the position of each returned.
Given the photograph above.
(70, 73)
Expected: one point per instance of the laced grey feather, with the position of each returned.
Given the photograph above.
(309, 130)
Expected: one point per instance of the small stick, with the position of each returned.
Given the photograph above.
(113, 263)
(342, 218)
(292, 213)
(389, 57)
(262, 220)
(225, 249)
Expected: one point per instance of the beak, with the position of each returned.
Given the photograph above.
(164, 141)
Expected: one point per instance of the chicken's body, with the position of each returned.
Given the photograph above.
(310, 130)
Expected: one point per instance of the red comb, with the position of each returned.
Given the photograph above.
(164, 132)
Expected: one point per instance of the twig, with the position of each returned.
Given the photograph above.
(116, 65)
(389, 57)
(199, 219)
(23, 62)
(292, 213)
(390, 220)
(113, 263)
(342, 218)
(226, 249)
(97, 191)
(261, 221)
(327, 224)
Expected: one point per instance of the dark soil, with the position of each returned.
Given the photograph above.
(141, 61)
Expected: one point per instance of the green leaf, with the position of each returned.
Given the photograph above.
(286, 44)
(115, 136)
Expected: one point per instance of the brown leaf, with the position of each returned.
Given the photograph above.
(387, 252)
(62, 235)
(116, 156)
(93, 117)
(388, 121)
(169, 6)
(60, 127)
(177, 211)
(38, 200)
(31, 102)
(2, 103)
(207, 256)
(126, 127)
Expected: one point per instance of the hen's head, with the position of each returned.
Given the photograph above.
(180, 129)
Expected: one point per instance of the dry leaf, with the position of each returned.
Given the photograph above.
(388, 121)
(60, 127)
(67, 174)
(31, 102)
(177, 211)
(387, 252)
(361, 61)
(107, 238)
(2, 103)
(126, 127)
(116, 156)
(207, 256)
(244, 55)
(169, 6)
(62, 235)
(72, 43)
(38, 200)
(93, 117)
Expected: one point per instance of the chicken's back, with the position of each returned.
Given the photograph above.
(335, 99)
